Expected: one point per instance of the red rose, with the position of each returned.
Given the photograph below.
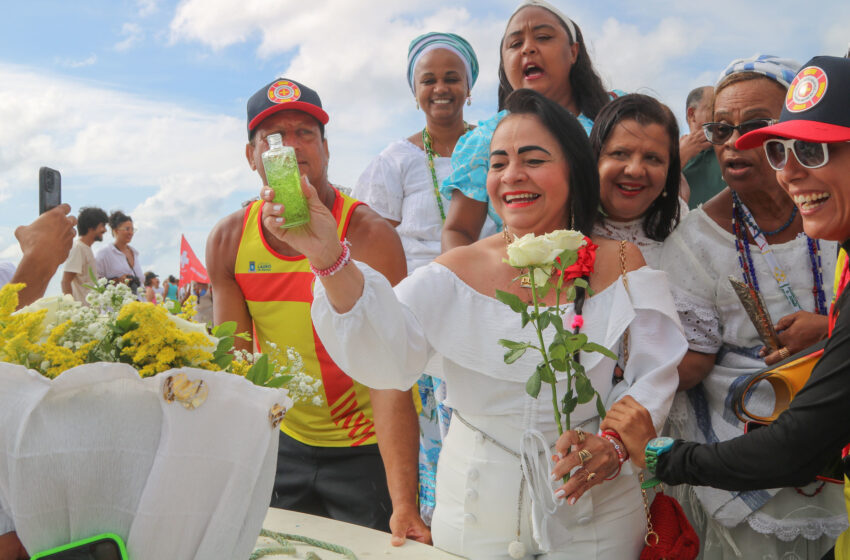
(584, 263)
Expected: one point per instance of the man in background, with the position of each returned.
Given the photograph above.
(699, 163)
(81, 264)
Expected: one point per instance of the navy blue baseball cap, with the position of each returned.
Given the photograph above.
(817, 106)
(284, 95)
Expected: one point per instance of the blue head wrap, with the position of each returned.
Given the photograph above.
(448, 41)
(780, 70)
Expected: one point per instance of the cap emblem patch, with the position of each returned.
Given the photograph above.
(284, 91)
(807, 89)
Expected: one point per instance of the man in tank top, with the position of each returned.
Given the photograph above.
(328, 462)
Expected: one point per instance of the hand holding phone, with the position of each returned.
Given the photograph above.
(101, 547)
(49, 189)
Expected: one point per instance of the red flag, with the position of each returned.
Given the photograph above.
(190, 267)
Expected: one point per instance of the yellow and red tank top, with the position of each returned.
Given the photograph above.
(279, 293)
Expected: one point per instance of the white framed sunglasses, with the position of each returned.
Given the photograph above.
(811, 155)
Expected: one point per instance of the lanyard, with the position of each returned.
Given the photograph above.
(767, 253)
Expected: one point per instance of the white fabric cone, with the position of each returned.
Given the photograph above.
(100, 450)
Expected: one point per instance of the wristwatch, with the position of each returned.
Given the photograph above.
(654, 448)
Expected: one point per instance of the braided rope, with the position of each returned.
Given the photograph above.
(287, 548)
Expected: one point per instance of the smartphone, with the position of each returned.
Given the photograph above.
(106, 546)
(49, 189)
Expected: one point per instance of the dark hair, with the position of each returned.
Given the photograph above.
(149, 277)
(583, 197)
(172, 279)
(695, 96)
(585, 83)
(663, 214)
(89, 218)
(117, 218)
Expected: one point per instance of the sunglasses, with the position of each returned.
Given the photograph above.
(719, 133)
(809, 154)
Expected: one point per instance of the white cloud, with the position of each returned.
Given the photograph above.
(190, 161)
(132, 33)
(77, 63)
(147, 7)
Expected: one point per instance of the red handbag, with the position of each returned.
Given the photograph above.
(669, 534)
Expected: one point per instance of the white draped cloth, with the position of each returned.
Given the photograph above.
(699, 256)
(100, 450)
(434, 318)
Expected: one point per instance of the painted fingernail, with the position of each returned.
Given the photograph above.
(553, 477)
(572, 500)
(560, 494)
(277, 207)
(268, 192)
(279, 220)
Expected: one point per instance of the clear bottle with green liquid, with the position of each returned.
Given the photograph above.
(284, 179)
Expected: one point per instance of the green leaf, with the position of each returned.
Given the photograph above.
(513, 355)
(580, 283)
(543, 320)
(228, 328)
(545, 373)
(593, 347)
(279, 381)
(543, 290)
(568, 403)
(510, 344)
(126, 325)
(600, 408)
(559, 365)
(568, 258)
(224, 345)
(525, 317)
(511, 300)
(259, 372)
(532, 386)
(557, 321)
(557, 351)
(571, 293)
(584, 389)
(575, 342)
(223, 361)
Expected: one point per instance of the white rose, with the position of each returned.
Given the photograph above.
(191, 326)
(566, 239)
(53, 304)
(529, 250)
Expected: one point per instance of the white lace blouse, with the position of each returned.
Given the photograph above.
(432, 317)
(699, 256)
(398, 185)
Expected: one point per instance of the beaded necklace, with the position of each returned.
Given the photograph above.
(743, 219)
(428, 144)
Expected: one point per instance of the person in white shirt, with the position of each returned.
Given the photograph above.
(91, 225)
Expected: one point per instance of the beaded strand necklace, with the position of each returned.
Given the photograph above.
(741, 220)
(428, 144)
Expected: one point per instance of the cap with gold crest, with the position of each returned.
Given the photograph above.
(816, 107)
(284, 95)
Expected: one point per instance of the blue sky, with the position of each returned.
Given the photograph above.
(140, 103)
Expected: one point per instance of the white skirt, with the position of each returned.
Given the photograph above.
(478, 495)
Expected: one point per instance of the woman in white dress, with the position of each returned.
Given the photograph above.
(402, 185)
(636, 142)
(542, 178)
(751, 231)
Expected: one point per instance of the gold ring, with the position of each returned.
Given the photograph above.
(584, 455)
(784, 353)
(591, 476)
(580, 435)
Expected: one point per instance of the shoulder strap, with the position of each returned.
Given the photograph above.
(626, 284)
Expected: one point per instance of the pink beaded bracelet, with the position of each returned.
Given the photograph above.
(343, 260)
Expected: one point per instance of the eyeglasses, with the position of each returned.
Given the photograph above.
(810, 154)
(128, 229)
(719, 133)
